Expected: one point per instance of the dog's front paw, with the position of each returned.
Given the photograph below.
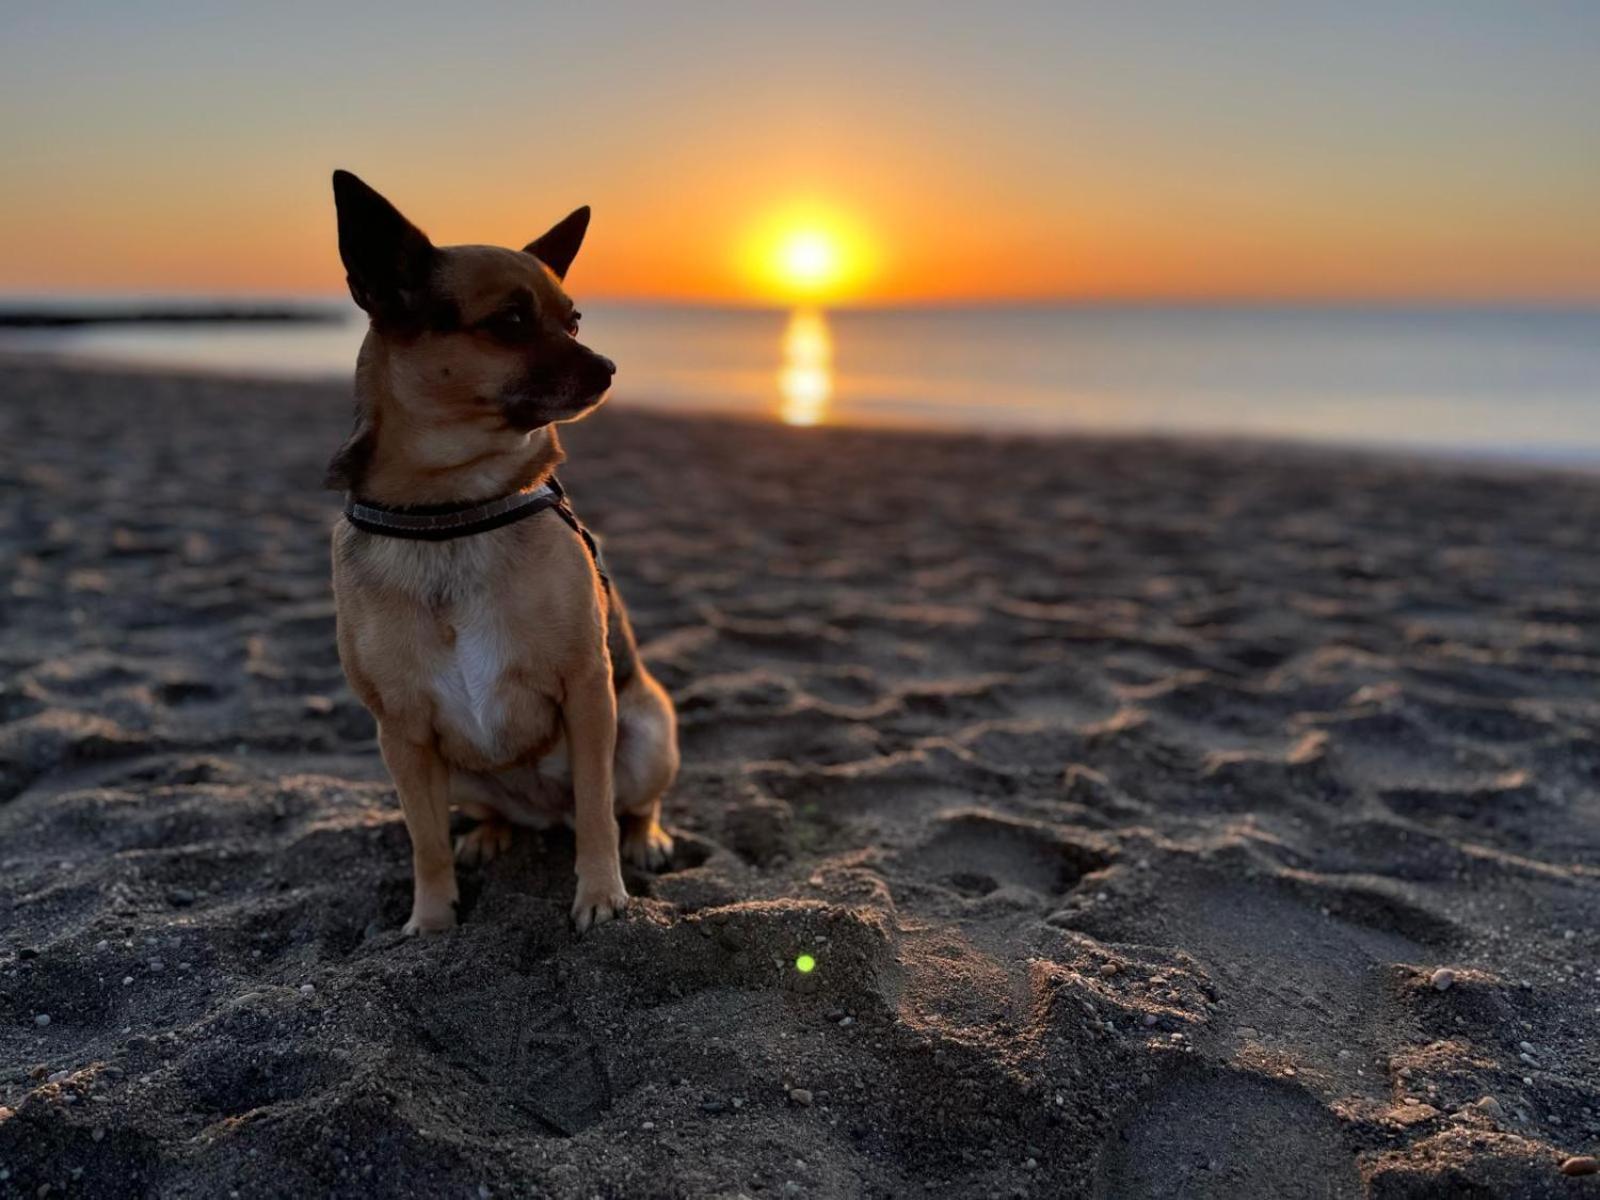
(598, 901)
(430, 915)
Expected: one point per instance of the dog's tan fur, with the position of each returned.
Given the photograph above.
(486, 660)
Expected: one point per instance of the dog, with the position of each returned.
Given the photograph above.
(474, 619)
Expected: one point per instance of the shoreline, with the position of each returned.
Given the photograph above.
(63, 317)
(1444, 459)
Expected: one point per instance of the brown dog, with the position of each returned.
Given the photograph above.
(497, 659)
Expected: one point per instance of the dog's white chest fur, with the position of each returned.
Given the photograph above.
(466, 687)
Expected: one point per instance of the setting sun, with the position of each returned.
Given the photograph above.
(809, 259)
(807, 253)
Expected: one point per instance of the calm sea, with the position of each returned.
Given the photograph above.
(1519, 383)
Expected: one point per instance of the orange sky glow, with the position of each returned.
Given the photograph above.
(1050, 152)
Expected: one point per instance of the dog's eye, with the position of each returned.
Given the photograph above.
(510, 324)
(572, 323)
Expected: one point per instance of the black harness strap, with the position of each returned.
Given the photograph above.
(563, 509)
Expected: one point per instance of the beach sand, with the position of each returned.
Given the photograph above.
(1135, 799)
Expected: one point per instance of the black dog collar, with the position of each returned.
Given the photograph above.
(441, 523)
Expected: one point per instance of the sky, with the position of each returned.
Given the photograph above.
(946, 152)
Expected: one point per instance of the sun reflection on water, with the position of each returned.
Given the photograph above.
(805, 380)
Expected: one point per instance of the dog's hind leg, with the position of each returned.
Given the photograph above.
(484, 842)
(647, 763)
(644, 843)
(491, 836)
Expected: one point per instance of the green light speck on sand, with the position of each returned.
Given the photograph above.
(805, 964)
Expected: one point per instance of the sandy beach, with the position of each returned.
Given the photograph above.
(1163, 818)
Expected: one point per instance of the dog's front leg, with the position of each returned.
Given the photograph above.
(590, 717)
(423, 780)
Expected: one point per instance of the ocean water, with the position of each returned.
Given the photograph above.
(1514, 383)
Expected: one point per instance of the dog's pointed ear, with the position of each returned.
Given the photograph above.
(387, 259)
(557, 248)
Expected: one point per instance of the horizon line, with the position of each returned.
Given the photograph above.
(15, 297)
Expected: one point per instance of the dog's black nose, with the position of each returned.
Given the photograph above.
(596, 372)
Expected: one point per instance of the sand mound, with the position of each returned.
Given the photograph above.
(1134, 800)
